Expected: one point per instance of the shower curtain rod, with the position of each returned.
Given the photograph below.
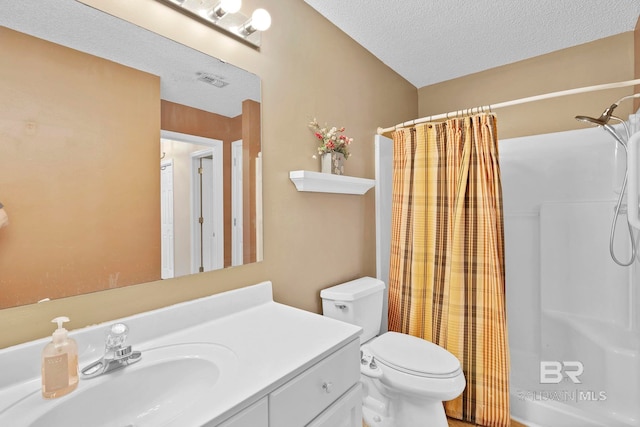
(489, 108)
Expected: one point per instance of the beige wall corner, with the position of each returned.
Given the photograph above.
(602, 61)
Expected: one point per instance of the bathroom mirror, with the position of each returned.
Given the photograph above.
(125, 157)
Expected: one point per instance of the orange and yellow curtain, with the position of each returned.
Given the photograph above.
(447, 276)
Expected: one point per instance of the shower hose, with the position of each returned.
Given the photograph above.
(635, 241)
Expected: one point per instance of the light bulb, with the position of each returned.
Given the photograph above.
(224, 7)
(231, 6)
(260, 20)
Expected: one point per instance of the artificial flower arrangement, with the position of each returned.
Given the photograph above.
(331, 139)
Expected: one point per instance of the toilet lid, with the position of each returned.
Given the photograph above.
(414, 355)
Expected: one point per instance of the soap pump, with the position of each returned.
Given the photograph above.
(59, 363)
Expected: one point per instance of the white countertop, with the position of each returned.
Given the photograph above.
(272, 342)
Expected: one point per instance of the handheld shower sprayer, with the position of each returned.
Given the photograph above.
(607, 114)
(603, 119)
(631, 147)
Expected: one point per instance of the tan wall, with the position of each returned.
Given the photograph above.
(602, 61)
(56, 200)
(308, 69)
(184, 119)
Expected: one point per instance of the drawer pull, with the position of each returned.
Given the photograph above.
(327, 387)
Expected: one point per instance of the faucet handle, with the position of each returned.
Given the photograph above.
(116, 335)
(123, 353)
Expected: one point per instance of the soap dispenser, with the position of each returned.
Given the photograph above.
(59, 363)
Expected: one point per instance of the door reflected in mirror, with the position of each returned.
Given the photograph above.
(125, 157)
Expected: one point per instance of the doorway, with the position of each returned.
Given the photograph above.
(196, 205)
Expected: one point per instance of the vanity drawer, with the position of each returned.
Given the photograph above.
(345, 412)
(300, 400)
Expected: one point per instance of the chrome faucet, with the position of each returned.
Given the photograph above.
(116, 354)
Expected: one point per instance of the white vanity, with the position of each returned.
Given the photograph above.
(236, 359)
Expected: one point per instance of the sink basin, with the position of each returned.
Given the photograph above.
(167, 383)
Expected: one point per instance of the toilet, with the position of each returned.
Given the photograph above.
(405, 378)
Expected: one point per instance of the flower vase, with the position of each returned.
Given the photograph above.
(332, 163)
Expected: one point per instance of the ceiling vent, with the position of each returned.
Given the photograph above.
(212, 79)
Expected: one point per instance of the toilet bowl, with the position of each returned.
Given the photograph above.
(405, 378)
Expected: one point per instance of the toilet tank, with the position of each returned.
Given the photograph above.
(358, 302)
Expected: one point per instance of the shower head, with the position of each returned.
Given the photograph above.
(606, 114)
(602, 120)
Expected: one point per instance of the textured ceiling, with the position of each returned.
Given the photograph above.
(75, 25)
(428, 41)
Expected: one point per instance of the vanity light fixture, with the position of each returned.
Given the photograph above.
(225, 16)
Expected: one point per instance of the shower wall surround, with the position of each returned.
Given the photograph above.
(566, 299)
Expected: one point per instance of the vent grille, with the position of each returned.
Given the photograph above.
(212, 79)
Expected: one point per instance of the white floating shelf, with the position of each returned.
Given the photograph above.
(327, 183)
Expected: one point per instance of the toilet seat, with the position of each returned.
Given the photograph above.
(414, 356)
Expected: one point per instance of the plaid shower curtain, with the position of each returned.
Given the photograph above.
(447, 277)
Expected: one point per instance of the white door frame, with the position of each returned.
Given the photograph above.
(167, 241)
(237, 239)
(259, 221)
